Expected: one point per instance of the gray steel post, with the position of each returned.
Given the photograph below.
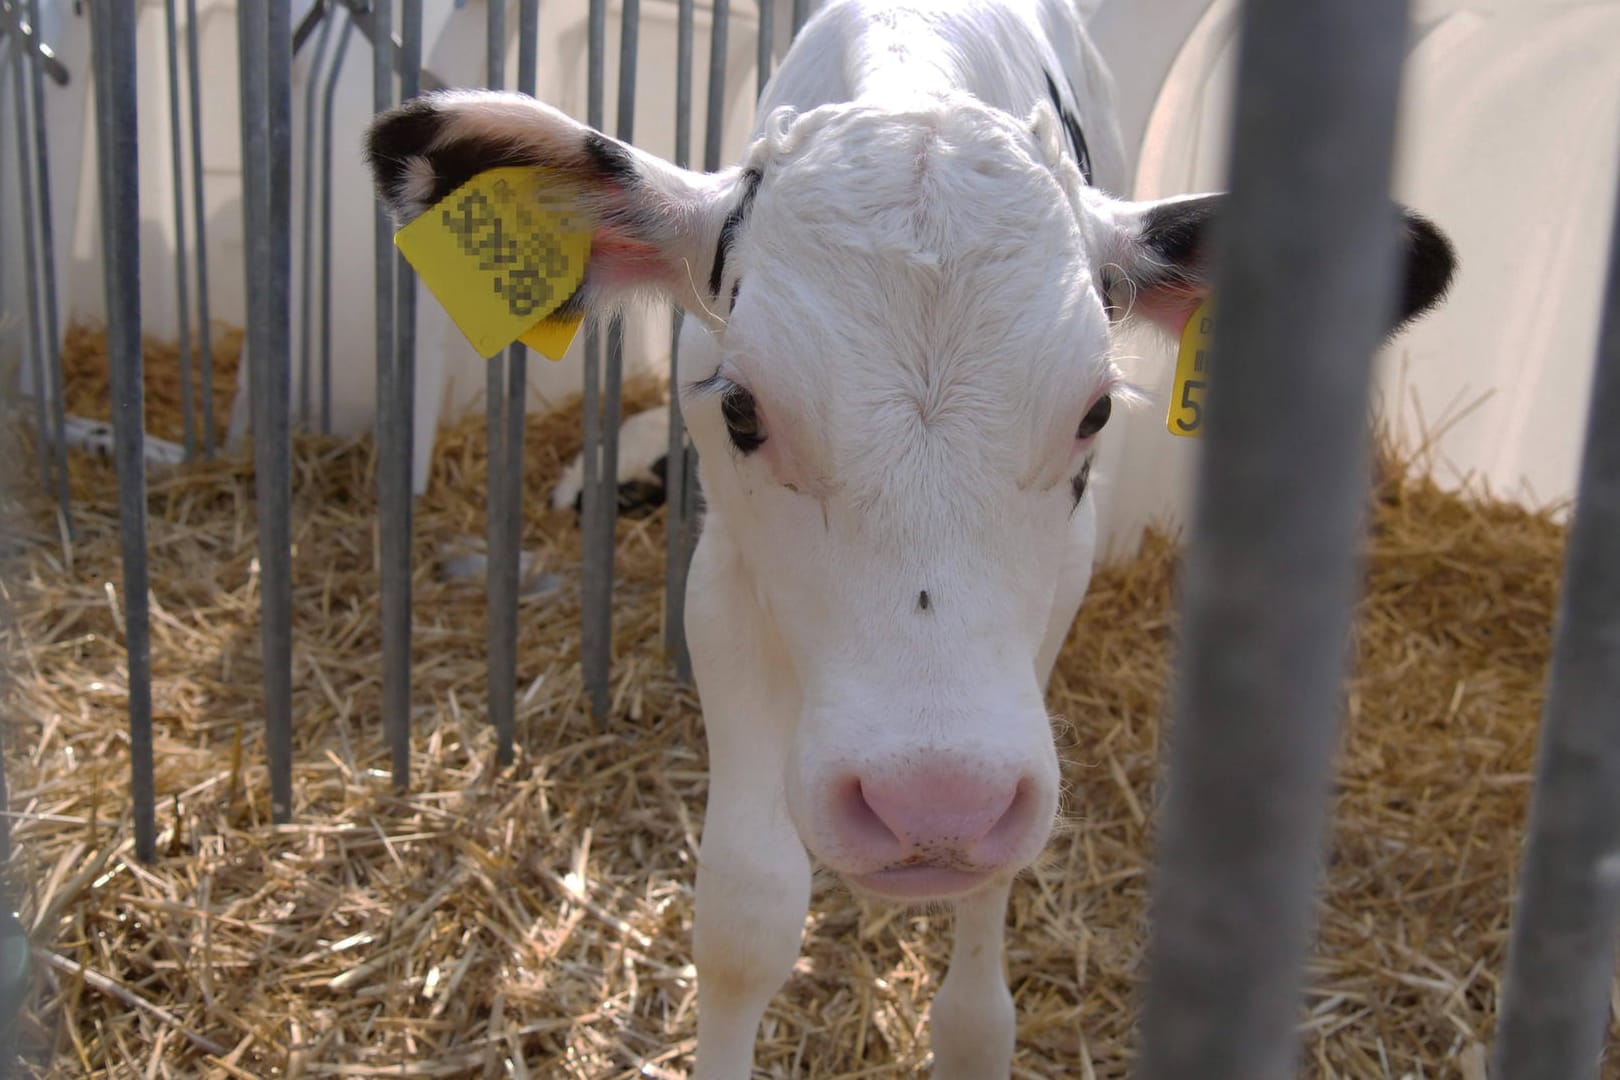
(306, 314)
(801, 12)
(182, 286)
(47, 273)
(38, 333)
(715, 124)
(767, 42)
(113, 43)
(596, 585)
(328, 96)
(205, 333)
(393, 482)
(676, 525)
(1561, 959)
(1271, 568)
(264, 43)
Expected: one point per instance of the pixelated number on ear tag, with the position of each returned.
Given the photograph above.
(1187, 393)
(502, 253)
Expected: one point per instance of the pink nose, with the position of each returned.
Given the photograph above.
(946, 816)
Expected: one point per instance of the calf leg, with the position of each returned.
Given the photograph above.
(972, 1023)
(753, 883)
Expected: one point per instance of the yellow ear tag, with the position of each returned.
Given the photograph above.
(502, 253)
(1186, 416)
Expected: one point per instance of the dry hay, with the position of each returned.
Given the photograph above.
(535, 920)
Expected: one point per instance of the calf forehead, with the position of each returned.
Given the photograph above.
(916, 286)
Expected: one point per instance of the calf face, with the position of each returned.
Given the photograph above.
(906, 369)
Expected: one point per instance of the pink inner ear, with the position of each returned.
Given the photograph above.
(619, 261)
(1169, 306)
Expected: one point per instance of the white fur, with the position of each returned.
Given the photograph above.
(880, 590)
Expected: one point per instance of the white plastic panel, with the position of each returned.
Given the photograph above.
(1510, 141)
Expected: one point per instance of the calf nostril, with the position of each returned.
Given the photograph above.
(862, 825)
(1010, 828)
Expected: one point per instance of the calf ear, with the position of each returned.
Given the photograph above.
(1158, 264)
(656, 224)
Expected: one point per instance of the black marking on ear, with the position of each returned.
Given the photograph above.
(923, 601)
(612, 159)
(1079, 482)
(728, 228)
(397, 136)
(1429, 264)
(1177, 232)
(1077, 138)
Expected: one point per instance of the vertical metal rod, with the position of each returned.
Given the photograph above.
(306, 315)
(506, 405)
(596, 586)
(38, 333)
(113, 42)
(1561, 957)
(676, 522)
(182, 286)
(604, 495)
(205, 330)
(801, 12)
(47, 271)
(1271, 564)
(500, 602)
(398, 413)
(264, 29)
(329, 95)
(393, 482)
(715, 124)
(767, 43)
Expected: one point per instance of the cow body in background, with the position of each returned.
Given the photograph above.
(898, 365)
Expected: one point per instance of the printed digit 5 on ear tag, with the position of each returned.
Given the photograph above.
(1186, 416)
(502, 253)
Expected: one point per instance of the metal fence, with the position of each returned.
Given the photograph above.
(1270, 580)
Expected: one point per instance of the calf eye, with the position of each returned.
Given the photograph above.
(1096, 418)
(742, 420)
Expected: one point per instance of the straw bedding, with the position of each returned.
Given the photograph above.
(534, 920)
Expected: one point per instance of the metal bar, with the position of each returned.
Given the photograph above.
(317, 17)
(393, 484)
(500, 602)
(1561, 957)
(265, 47)
(24, 32)
(38, 334)
(715, 124)
(676, 524)
(767, 43)
(47, 273)
(306, 316)
(510, 479)
(182, 289)
(328, 97)
(801, 12)
(602, 429)
(365, 14)
(399, 413)
(113, 43)
(596, 585)
(1271, 564)
(205, 330)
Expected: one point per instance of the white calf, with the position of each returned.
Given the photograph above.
(903, 297)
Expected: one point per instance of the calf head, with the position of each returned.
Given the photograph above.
(907, 367)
